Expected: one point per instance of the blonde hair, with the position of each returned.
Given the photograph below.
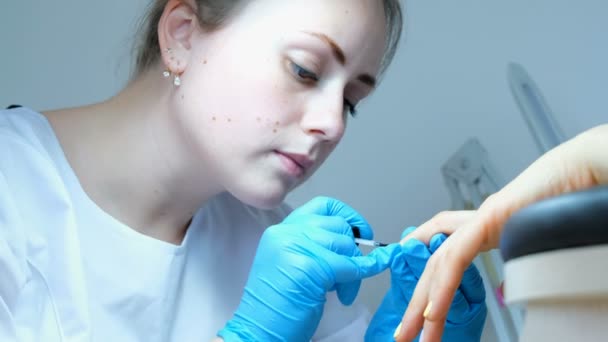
(212, 14)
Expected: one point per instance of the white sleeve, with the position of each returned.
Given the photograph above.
(12, 261)
(342, 323)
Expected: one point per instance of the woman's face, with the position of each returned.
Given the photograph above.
(265, 99)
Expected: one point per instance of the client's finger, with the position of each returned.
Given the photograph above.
(444, 285)
(413, 320)
(446, 222)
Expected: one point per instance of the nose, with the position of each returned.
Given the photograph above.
(324, 117)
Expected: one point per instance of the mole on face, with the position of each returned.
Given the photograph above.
(204, 61)
(214, 118)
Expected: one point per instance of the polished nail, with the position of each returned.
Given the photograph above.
(397, 331)
(427, 311)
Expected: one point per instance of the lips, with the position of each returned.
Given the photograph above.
(301, 161)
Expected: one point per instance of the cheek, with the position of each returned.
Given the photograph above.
(257, 116)
(216, 95)
(270, 123)
(266, 111)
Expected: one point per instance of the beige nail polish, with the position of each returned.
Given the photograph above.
(427, 311)
(397, 331)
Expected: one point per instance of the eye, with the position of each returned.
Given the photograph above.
(302, 74)
(351, 108)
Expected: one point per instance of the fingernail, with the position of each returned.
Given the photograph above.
(404, 240)
(427, 311)
(397, 331)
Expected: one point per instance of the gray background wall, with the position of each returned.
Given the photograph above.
(447, 84)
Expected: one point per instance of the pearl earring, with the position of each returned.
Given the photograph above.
(177, 81)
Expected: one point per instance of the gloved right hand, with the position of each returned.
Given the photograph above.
(297, 262)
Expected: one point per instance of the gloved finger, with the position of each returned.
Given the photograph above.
(459, 309)
(347, 292)
(335, 224)
(364, 266)
(416, 255)
(333, 242)
(345, 269)
(436, 241)
(327, 206)
(401, 273)
(472, 285)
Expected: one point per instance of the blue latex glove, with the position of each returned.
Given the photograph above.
(467, 313)
(297, 262)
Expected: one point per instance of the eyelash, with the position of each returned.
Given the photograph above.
(309, 77)
(352, 109)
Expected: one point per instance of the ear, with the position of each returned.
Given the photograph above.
(175, 33)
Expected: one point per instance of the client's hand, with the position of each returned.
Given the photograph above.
(297, 262)
(467, 313)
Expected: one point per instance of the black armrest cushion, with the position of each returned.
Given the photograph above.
(571, 220)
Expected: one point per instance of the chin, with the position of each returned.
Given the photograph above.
(263, 198)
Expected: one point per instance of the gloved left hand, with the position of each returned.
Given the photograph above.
(467, 313)
(297, 262)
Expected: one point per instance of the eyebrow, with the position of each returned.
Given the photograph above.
(341, 57)
(335, 48)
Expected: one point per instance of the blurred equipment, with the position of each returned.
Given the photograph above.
(534, 109)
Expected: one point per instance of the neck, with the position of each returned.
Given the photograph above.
(132, 160)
